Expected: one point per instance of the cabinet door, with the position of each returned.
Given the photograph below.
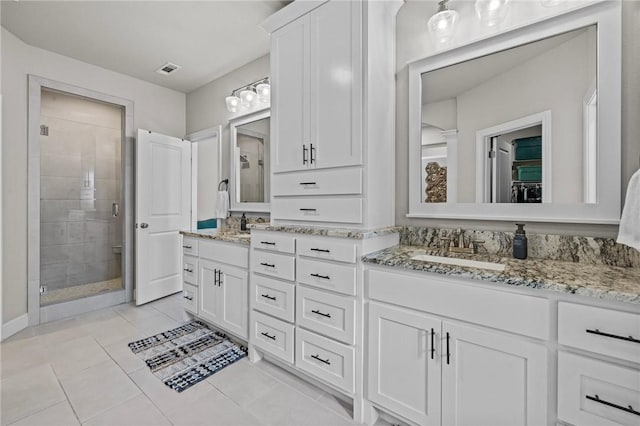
(492, 379)
(404, 377)
(208, 294)
(336, 88)
(290, 96)
(234, 295)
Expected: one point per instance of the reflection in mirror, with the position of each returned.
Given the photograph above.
(516, 126)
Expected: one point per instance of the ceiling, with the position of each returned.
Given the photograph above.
(206, 38)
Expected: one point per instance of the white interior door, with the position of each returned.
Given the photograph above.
(163, 208)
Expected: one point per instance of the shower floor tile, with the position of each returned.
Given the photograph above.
(80, 291)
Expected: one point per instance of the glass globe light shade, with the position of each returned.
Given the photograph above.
(442, 25)
(248, 98)
(233, 102)
(491, 12)
(264, 92)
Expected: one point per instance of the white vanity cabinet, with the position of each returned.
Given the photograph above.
(429, 367)
(333, 81)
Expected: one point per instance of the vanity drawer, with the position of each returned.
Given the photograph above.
(190, 298)
(328, 360)
(592, 392)
(339, 210)
(229, 253)
(604, 331)
(273, 297)
(325, 313)
(328, 248)
(272, 336)
(190, 269)
(189, 246)
(318, 182)
(273, 241)
(276, 265)
(328, 276)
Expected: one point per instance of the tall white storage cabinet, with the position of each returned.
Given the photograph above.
(332, 115)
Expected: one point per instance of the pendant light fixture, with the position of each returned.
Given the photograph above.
(442, 24)
(491, 12)
(252, 95)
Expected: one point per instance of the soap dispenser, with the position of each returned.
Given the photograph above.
(243, 222)
(520, 242)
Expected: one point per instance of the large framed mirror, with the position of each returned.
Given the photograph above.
(250, 186)
(522, 126)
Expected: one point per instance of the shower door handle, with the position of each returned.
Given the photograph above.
(115, 209)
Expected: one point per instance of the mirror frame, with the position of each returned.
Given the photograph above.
(607, 17)
(235, 205)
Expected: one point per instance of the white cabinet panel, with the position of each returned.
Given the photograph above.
(344, 181)
(189, 246)
(273, 336)
(233, 288)
(310, 209)
(325, 313)
(190, 269)
(273, 264)
(273, 241)
(190, 298)
(327, 276)
(209, 303)
(328, 248)
(273, 297)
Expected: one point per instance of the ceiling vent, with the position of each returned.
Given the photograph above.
(168, 68)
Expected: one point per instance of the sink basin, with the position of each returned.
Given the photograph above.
(460, 262)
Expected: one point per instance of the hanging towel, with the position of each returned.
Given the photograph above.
(629, 231)
(222, 206)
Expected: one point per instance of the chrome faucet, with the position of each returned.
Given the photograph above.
(456, 243)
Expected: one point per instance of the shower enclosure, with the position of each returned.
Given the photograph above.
(81, 226)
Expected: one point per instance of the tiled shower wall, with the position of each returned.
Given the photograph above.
(80, 179)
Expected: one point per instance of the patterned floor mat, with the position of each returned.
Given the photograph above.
(188, 354)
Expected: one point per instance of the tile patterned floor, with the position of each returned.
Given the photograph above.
(79, 371)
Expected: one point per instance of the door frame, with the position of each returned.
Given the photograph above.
(35, 313)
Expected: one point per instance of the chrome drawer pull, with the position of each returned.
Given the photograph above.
(188, 270)
(269, 243)
(266, 296)
(326, 361)
(268, 336)
(597, 399)
(613, 336)
(187, 247)
(270, 265)
(188, 297)
(320, 250)
(324, 277)
(317, 312)
(307, 183)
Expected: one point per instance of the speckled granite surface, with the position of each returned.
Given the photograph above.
(229, 236)
(595, 280)
(356, 234)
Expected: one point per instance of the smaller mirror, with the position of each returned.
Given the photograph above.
(250, 146)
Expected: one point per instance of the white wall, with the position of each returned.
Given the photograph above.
(413, 43)
(206, 108)
(155, 108)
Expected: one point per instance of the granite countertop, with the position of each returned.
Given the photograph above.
(228, 235)
(599, 281)
(356, 234)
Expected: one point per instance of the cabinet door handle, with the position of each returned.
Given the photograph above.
(628, 409)
(215, 277)
(304, 154)
(187, 247)
(311, 150)
(325, 361)
(268, 243)
(613, 336)
(266, 296)
(188, 297)
(308, 210)
(268, 336)
(188, 270)
(269, 265)
(448, 353)
(317, 312)
(433, 343)
(307, 183)
(220, 278)
(320, 250)
(324, 277)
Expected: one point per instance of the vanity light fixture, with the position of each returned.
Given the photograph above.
(257, 93)
(491, 12)
(442, 24)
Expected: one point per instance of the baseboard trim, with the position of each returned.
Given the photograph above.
(15, 325)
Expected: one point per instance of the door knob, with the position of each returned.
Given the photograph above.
(144, 225)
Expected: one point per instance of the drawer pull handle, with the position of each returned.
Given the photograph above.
(188, 297)
(325, 361)
(187, 247)
(613, 336)
(188, 270)
(324, 277)
(317, 312)
(266, 296)
(269, 243)
(629, 409)
(267, 335)
(269, 265)
(433, 343)
(448, 353)
(307, 183)
(320, 250)
(308, 210)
